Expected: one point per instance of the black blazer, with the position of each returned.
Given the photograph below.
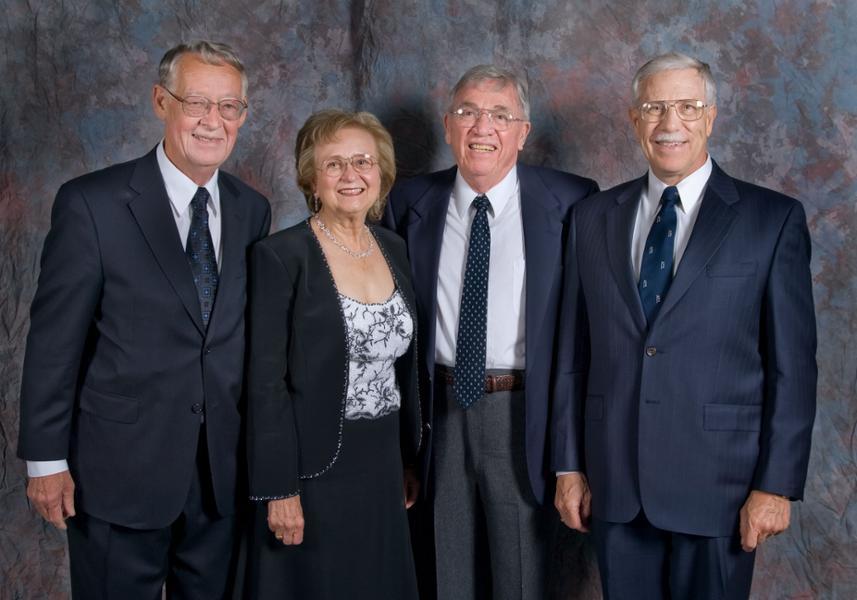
(118, 366)
(298, 371)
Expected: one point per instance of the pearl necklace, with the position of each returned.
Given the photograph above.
(354, 254)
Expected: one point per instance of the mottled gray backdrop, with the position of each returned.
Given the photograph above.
(75, 81)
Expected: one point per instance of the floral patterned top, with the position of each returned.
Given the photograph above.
(378, 334)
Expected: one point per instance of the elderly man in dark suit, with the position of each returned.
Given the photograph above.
(485, 245)
(687, 358)
(130, 405)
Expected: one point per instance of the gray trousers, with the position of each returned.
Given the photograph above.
(491, 537)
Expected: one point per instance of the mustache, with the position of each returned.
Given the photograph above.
(669, 137)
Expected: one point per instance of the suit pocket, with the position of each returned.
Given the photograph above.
(594, 408)
(741, 269)
(112, 407)
(732, 417)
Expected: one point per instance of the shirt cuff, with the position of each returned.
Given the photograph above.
(558, 473)
(43, 468)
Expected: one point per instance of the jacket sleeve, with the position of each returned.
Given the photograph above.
(572, 365)
(273, 452)
(61, 316)
(788, 350)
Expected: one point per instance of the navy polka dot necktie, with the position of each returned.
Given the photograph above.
(200, 254)
(469, 381)
(656, 269)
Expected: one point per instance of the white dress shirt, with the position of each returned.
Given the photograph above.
(180, 190)
(690, 190)
(506, 274)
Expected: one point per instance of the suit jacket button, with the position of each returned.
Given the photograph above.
(196, 408)
(651, 351)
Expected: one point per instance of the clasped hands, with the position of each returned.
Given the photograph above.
(763, 515)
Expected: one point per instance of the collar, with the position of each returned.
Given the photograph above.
(500, 195)
(180, 187)
(690, 189)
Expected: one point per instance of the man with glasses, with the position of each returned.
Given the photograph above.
(687, 358)
(130, 416)
(485, 245)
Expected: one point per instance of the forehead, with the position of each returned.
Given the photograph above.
(347, 141)
(488, 93)
(674, 84)
(194, 75)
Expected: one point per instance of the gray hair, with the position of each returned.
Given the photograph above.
(501, 76)
(212, 53)
(673, 61)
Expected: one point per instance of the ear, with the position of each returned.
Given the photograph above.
(525, 131)
(711, 114)
(634, 117)
(446, 136)
(159, 102)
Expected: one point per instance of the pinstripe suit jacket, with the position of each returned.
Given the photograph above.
(684, 416)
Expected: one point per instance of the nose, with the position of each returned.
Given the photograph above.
(484, 123)
(671, 120)
(212, 118)
(348, 172)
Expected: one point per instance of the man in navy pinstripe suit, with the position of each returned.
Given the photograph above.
(687, 358)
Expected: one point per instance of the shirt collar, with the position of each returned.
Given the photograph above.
(180, 187)
(500, 195)
(690, 189)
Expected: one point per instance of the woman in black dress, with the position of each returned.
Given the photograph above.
(333, 407)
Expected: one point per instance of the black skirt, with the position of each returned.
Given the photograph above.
(356, 542)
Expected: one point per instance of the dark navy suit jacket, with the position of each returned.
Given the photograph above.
(716, 397)
(118, 365)
(417, 208)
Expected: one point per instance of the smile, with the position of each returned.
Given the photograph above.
(205, 139)
(351, 191)
(482, 147)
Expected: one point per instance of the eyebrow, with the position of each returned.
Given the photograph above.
(496, 107)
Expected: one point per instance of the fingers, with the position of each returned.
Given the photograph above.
(412, 487)
(286, 520)
(573, 501)
(53, 497)
(763, 515)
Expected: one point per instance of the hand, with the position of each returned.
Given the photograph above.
(573, 500)
(53, 497)
(412, 486)
(286, 520)
(762, 516)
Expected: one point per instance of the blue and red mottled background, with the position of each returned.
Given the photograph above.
(76, 80)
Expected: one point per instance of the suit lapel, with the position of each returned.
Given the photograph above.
(712, 224)
(151, 209)
(426, 221)
(620, 234)
(232, 250)
(542, 224)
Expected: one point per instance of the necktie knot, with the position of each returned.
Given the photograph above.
(481, 203)
(199, 202)
(670, 197)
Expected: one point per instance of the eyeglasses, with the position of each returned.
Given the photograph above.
(230, 109)
(335, 165)
(467, 117)
(686, 110)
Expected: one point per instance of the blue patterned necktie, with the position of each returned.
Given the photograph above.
(656, 269)
(469, 381)
(200, 254)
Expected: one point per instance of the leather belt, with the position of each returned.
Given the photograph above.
(505, 382)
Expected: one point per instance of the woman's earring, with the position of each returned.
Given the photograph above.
(316, 204)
